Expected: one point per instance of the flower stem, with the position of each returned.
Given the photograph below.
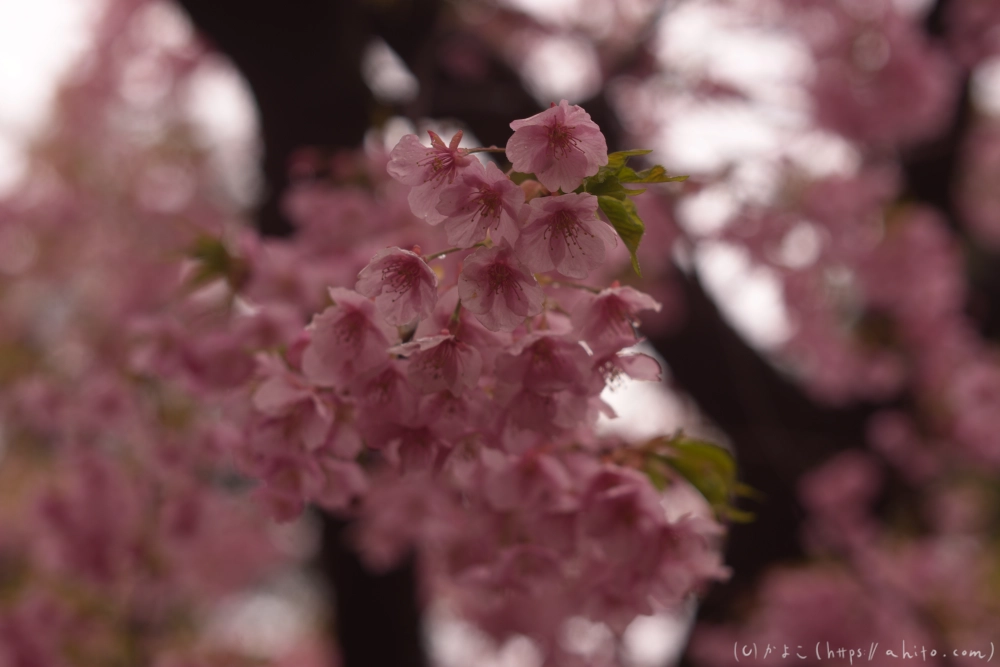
(454, 321)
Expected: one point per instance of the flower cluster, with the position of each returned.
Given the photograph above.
(450, 398)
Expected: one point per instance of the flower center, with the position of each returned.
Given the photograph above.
(500, 278)
(566, 225)
(349, 330)
(489, 203)
(400, 276)
(442, 165)
(561, 140)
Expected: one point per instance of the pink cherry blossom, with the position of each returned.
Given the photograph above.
(531, 411)
(292, 411)
(609, 369)
(347, 339)
(544, 363)
(533, 480)
(606, 321)
(280, 389)
(561, 146)
(404, 287)
(481, 201)
(455, 415)
(466, 328)
(620, 514)
(441, 363)
(564, 234)
(428, 170)
(386, 391)
(334, 484)
(498, 289)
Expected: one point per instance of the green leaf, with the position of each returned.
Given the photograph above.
(519, 177)
(623, 217)
(710, 469)
(613, 196)
(739, 516)
(655, 174)
(618, 159)
(656, 472)
(215, 261)
(746, 491)
(616, 172)
(612, 187)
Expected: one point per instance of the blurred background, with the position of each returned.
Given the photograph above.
(829, 274)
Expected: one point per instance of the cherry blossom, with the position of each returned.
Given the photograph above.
(404, 287)
(564, 234)
(387, 391)
(561, 146)
(441, 363)
(610, 369)
(544, 363)
(207, 410)
(465, 327)
(607, 320)
(429, 170)
(498, 289)
(482, 201)
(347, 338)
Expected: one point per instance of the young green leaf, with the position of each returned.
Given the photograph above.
(215, 261)
(655, 174)
(623, 217)
(710, 469)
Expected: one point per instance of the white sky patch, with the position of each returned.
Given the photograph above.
(455, 643)
(550, 11)
(649, 641)
(749, 296)
(267, 623)
(708, 211)
(261, 624)
(383, 139)
(659, 640)
(821, 154)
(562, 67)
(645, 409)
(986, 86)
(39, 42)
(756, 181)
(386, 75)
(706, 137)
(801, 246)
(221, 106)
(768, 65)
